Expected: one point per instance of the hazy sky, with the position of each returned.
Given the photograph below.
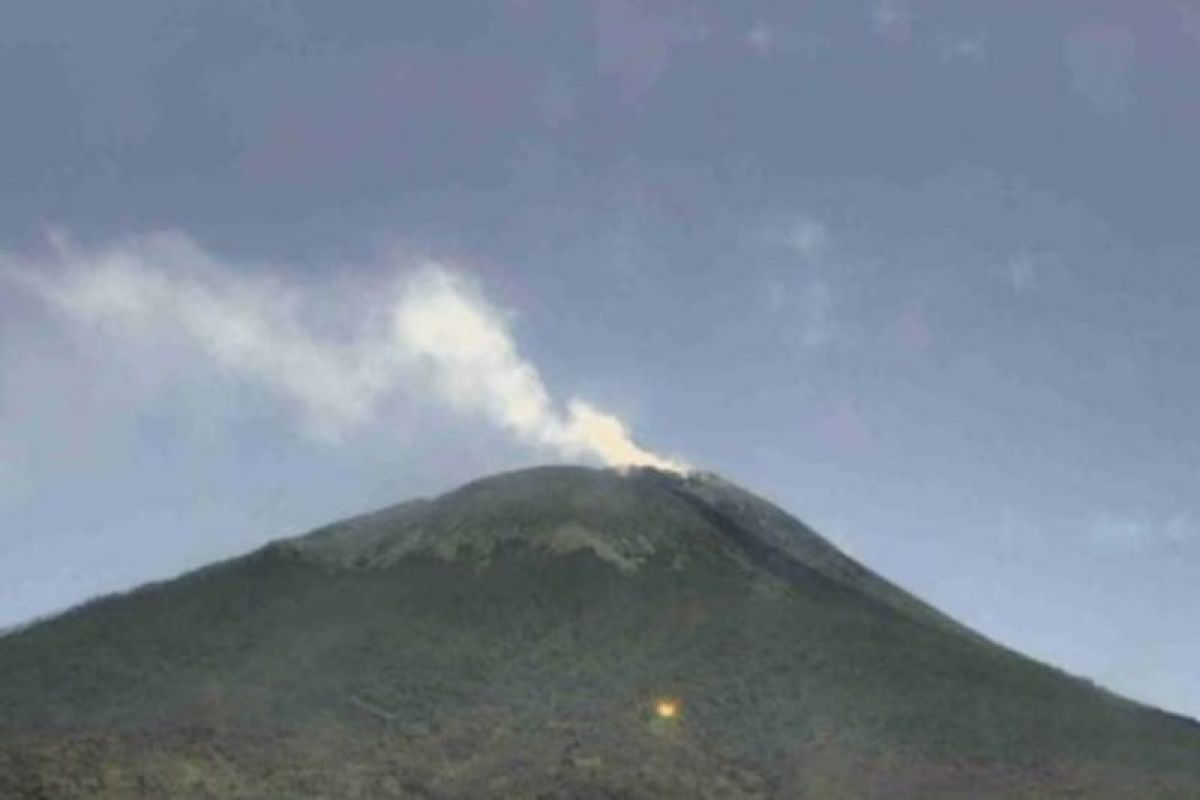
(927, 274)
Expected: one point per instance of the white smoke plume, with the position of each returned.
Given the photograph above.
(433, 332)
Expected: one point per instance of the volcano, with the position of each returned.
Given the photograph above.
(557, 632)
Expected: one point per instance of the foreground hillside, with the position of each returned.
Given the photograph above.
(559, 632)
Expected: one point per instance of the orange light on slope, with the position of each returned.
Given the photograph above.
(667, 708)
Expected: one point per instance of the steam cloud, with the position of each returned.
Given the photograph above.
(434, 332)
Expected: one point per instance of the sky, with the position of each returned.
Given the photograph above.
(924, 274)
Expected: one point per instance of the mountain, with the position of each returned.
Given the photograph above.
(557, 632)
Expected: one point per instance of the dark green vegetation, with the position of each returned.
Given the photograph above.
(510, 639)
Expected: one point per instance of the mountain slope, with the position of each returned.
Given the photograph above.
(514, 638)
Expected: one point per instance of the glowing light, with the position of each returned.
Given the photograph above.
(667, 708)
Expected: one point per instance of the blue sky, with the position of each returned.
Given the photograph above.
(926, 274)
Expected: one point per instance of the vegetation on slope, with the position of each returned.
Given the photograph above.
(370, 659)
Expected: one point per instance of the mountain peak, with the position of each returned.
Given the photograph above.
(521, 636)
(625, 517)
(622, 516)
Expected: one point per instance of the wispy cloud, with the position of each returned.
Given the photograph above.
(764, 39)
(430, 332)
(808, 238)
(961, 47)
(804, 295)
(1131, 532)
(760, 38)
(892, 19)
